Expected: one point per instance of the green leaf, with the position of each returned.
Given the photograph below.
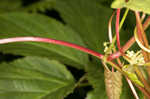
(88, 18)
(8, 5)
(95, 76)
(35, 78)
(129, 71)
(96, 79)
(23, 24)
(127, 93)
(136, 5)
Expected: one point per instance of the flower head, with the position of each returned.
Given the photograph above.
(136, 58)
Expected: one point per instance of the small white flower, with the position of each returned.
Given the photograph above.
(136, 58)
(106, 45)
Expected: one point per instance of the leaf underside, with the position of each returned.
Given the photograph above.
(113, 83)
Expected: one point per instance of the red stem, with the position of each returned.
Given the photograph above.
(146, 23)
(117, 29)
(129, 43)
(144, 92)
(52, 41)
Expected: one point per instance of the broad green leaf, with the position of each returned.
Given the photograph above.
(8, 5)
(113, 83)
(88, 18)
(35, 78)
(136, 5)
(23, 24)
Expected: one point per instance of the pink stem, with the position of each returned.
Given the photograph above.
(114, 56)
(110, 32)
(117, 29)
(132, 88)
(124, 48)
(53, 41)
(129, 43)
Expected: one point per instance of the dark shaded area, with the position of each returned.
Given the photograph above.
(79, 93)
(9, 57)
(106, 3)
(127, 0)
(29, 2)
(77, 73)
(53, 14)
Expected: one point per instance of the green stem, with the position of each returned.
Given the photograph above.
(84, 85)
(81, 80)
(123, 18)
(120, 26)
(115, 66)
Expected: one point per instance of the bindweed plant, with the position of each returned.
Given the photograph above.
(49, 46)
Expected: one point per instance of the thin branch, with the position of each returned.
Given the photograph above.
(146, 23)
(142, 36)
(132, 88)
(117, 29)
(143, 17)
(110, 32)
(81, 80)
(58, 42)
(144, 91)
(141, 77)
(52, 41)
(129, 43)
(110, 27)
(123, 18)
(129, 82)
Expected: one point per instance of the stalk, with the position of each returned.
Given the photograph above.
(132, 88)
(110, 33)
(118, 60)
(144, 92)
(117, 29)
(141, 77)
(129, 43)
(142, 37)
(52, 41)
